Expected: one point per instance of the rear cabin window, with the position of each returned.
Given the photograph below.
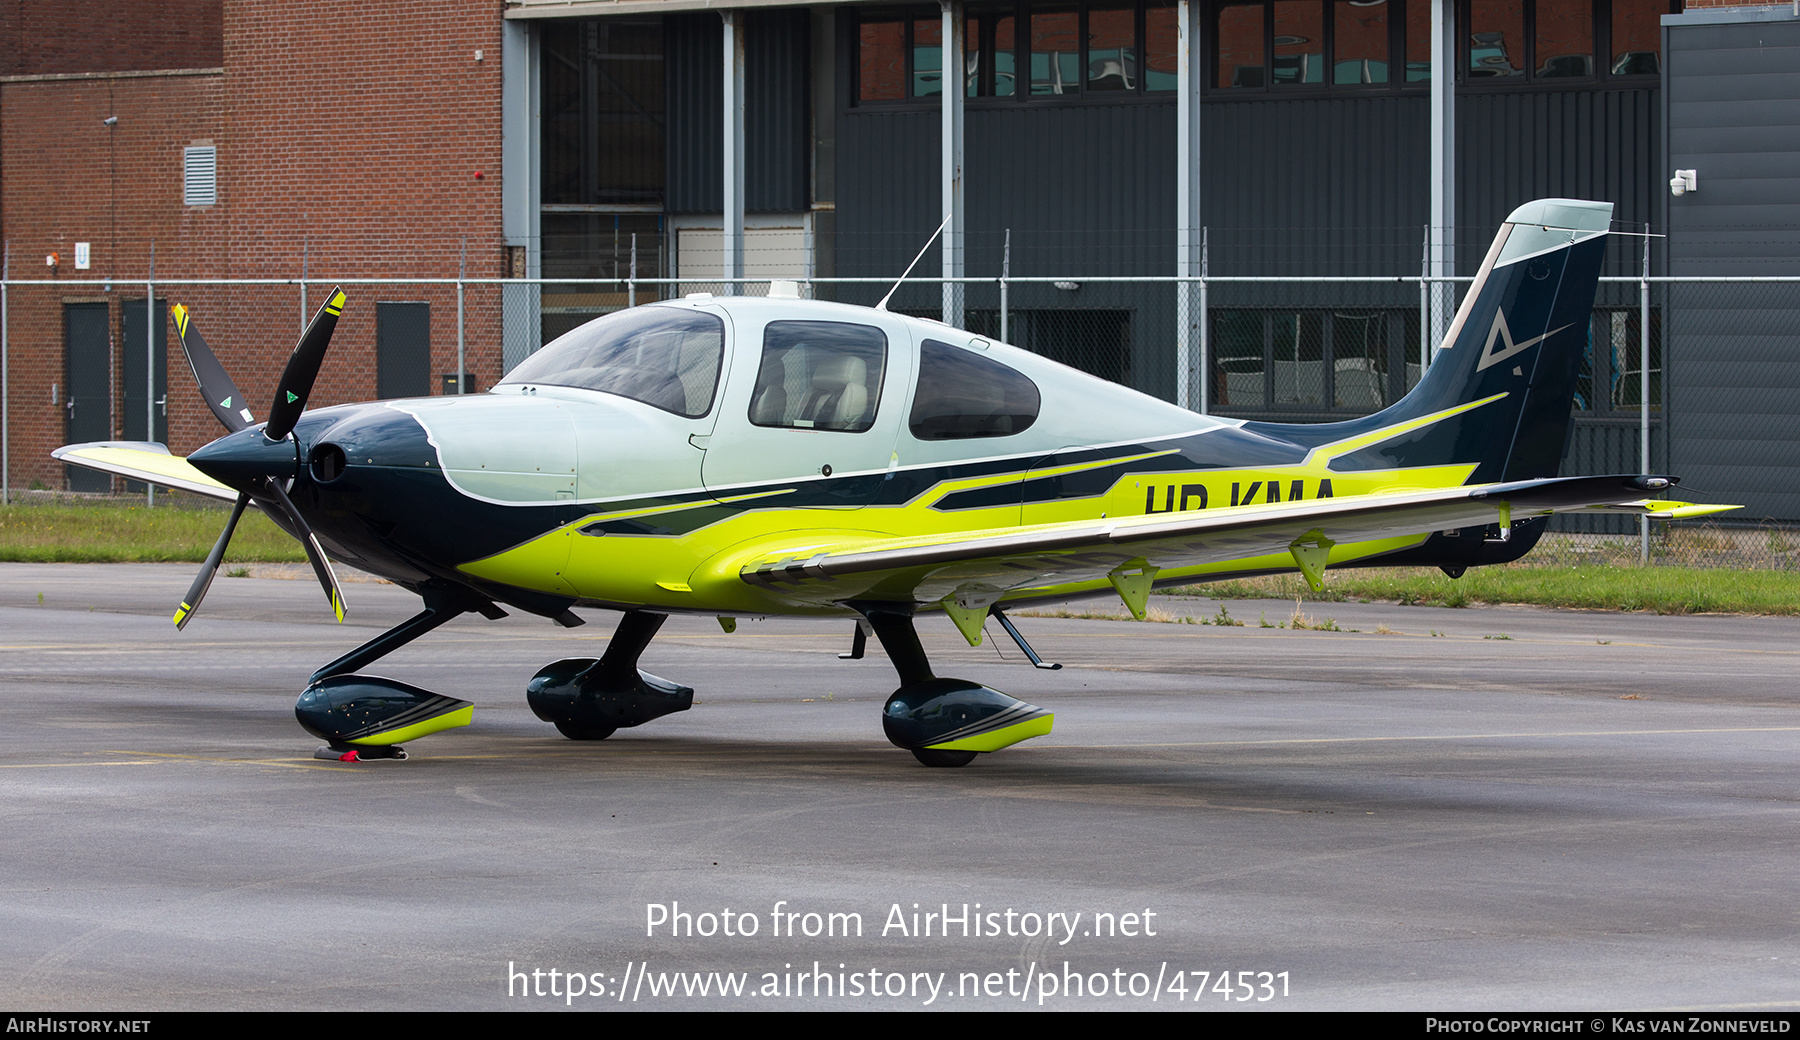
(819, 375)
(963, 395)
(665, 357)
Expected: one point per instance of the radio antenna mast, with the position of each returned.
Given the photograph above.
(882, 306)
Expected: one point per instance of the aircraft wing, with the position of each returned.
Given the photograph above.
(145, 461)
(968, 573)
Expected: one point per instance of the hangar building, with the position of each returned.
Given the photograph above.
(1086, 140)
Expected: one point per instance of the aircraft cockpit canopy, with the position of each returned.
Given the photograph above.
(665, 357)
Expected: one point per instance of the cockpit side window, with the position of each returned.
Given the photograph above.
(819, 375)
(665, 357)
(963, 395)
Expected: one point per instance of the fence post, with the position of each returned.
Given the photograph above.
(1644, 390)
(1424, 304)
(1005, 273)
(150, 365)
(462, 271)
(631, 282)
(1205, 332)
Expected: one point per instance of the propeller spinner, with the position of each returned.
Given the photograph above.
(257, 464)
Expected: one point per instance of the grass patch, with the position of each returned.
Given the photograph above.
(180, 529)
(1659, 589)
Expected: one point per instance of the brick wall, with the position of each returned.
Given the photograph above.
(349, 137)
(40, 37)
(70, 178)
(356, 134)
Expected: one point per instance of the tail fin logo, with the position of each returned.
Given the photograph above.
(1500, 333)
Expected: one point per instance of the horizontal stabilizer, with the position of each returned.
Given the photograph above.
(145, 461)
(1657, 509)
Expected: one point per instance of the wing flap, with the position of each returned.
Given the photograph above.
(928, 569)
(145, 461)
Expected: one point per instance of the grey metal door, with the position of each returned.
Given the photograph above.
(87, 386)
(135, 358)
(402, 350)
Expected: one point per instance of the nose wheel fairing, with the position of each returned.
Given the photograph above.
(373, 711)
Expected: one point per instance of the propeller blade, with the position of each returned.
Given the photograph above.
(221, 393)
(210, 569)
(314, 553)
(303, 368)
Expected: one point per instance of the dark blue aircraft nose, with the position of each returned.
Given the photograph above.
(240, 459)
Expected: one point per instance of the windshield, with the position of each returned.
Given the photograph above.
(666, 357)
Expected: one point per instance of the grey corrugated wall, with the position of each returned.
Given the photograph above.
(1734, 351)
(775, 101)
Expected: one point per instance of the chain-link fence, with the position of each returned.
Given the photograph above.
(1695, 376)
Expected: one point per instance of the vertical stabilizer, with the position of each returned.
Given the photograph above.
(1515, 345)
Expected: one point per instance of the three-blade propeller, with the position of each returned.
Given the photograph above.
(227, 404)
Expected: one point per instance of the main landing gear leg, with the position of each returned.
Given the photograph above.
(366, 716)
(588, 699)
(943, 722)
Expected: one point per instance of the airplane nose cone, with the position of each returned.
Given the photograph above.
(238, 460)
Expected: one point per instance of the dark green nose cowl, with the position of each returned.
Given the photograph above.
(240, 459)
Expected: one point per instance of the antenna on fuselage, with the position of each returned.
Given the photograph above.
(882, 306)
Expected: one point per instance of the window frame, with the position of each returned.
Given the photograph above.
(1601, 14)
(1399, 328)
(1603, 77)
(984, 18)
(1602, 364)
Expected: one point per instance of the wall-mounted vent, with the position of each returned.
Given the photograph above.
(200, 176)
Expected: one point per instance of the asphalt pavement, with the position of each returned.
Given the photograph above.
(1431, 809)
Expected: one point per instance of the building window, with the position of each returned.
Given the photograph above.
(1277, 46)
(881, 61)
(1102, 49)
(1364, 41)
(1562, 41)
(1055, 50)
(1636, 37)
(1611, 377)
(1351, 360)
(200, 175)
(603, 124)
(1065, 51)
(1315, 44)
